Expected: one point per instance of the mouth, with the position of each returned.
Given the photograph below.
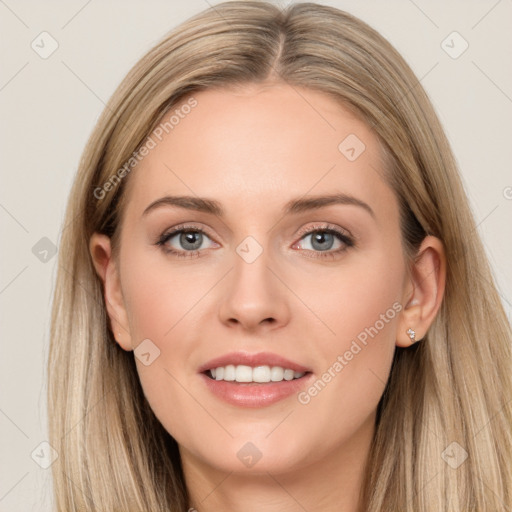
(244, 374)
(254, 380)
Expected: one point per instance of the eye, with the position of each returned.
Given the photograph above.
(188, 241)
(183, 241)
(322, 239)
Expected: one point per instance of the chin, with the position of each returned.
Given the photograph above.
(253, 455)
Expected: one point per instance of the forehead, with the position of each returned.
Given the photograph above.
(260, 145)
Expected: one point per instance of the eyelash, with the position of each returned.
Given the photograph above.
(180, 229)
(342, 237)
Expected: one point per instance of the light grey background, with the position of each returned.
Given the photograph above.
(49, 107)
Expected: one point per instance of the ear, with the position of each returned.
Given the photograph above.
(424, 291)
(107, 269)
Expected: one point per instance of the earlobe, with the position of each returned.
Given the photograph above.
(424, 292)
(106, 268)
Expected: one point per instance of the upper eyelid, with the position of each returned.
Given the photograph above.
(185, 227)
(325, 226)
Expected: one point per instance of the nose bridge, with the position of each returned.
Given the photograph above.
(253, 293)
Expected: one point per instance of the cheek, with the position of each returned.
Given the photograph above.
(361, 305)
(358, 300)
(164, 304)
(159, 297)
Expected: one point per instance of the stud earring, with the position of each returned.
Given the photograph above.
(412, 334)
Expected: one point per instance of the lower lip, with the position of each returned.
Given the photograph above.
(253, 394)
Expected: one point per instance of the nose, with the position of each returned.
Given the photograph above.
(254, 296)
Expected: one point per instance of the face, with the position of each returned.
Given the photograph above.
(268, 279)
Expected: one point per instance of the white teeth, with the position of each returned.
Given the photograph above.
(261, 374)
(229, 372)
(288, 374)
(244, 373)
(276, 374)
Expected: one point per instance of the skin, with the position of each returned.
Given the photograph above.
(253, 149)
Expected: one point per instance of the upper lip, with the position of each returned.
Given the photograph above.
(257, 359)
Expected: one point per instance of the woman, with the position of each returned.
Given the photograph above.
(341, 348)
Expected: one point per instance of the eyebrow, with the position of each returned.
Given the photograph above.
(294, 206)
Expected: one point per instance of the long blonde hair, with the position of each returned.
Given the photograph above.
(452, 387)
